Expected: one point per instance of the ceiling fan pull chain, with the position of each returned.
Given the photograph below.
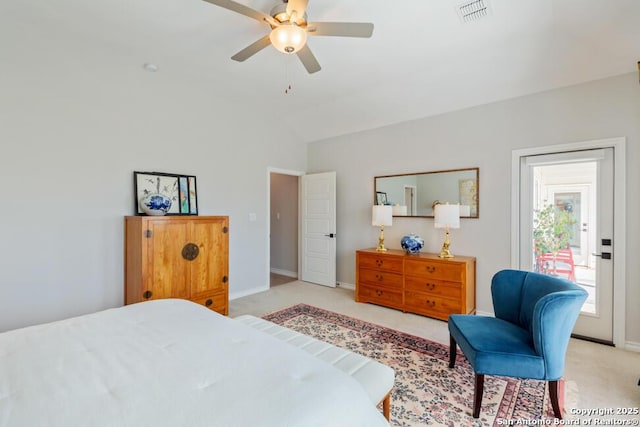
(287, 76)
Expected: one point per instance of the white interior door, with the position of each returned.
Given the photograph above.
(410, 199)
(553, 179)
(318, 246)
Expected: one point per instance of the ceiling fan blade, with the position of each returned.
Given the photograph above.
(308, 60)
(252, 49)
(341, 29)
(243, 10)
(298, 6)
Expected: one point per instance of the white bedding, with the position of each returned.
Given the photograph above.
(169, 363)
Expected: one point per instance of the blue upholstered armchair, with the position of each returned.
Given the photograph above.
(527, 338)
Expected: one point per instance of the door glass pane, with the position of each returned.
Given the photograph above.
(564, 218)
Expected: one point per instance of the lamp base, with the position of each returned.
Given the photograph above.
(444, 252)
(381, 247)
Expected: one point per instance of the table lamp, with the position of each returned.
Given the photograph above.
(381, 215)
(446, 216)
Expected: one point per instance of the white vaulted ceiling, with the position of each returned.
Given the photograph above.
(421, 60)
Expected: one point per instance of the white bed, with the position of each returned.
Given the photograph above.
(169, 363)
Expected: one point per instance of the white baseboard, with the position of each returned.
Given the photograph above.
(632, 346)
(247, 292)
(285, 272)
(345, 285)
(485, 313)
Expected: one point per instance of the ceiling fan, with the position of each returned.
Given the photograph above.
(289, 30)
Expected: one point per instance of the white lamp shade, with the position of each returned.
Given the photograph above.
(288, 38)
(447, 216)
(399, 210)
(381, 215)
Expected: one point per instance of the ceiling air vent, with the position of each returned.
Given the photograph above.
(473, 10)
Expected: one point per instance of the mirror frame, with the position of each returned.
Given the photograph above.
(476, 169)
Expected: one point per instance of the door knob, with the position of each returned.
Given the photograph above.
(604, 255)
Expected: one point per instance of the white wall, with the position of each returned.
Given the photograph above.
(483, 136)
(70, 139)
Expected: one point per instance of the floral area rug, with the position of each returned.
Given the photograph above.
(426, 391)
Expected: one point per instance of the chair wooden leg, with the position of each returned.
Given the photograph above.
(386, 406)
(553, 394)
(452, 351)
(477, 399)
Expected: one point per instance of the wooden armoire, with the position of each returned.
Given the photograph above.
(178, 257)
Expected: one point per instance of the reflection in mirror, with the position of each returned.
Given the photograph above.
(415, 194)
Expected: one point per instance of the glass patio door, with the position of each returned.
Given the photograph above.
(566, 228)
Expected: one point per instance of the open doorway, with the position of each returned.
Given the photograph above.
(410, 199)
(283, 235)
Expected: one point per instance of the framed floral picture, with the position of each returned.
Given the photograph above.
(183, 185)
(193, 195)
(381, 198)
(469, 195)
(176, 192)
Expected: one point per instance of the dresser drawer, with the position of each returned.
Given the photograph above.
(433, 286)
(435, 270)
(380, 278)
(216, 302)
(431, 305)
(380, 295)
(381, 262)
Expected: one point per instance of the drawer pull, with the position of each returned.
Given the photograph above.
(379, 262)
(430, 286)
(379, 277)
(147, 294)
(208, 302)
(378, 292)
(431, 304)
(431, 269)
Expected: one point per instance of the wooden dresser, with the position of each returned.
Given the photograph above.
(178, 257)
(422, 283)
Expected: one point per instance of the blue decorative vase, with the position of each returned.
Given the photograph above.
(155, 204)
(412, 244)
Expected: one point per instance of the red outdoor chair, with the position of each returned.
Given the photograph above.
(563, 264)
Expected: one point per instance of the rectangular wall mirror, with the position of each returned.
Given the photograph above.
(414, 194)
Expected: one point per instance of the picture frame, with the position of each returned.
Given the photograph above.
(183, 188)
(468, 189)
(179, 188)
(193, 195)
(381, 198)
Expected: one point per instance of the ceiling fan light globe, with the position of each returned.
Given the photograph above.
(288, 38)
